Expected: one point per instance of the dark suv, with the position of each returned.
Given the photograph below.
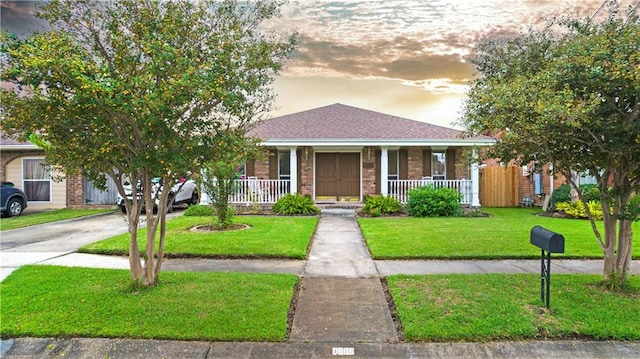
(12, 199)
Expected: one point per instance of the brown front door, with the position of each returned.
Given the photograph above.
(326, 174)
(338, 175)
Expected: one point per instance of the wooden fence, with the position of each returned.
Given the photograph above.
(499, 186)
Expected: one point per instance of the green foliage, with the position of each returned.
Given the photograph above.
(577, 209)
(560, 194)
(199, 210)
(138, 90)
(563, 194)
(567, 94)
(295, 204)
(378, 205)
(219, 177)
(428, 201)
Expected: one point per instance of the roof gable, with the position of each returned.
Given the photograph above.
(342, 122)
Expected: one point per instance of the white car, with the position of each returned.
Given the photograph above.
(186, 193)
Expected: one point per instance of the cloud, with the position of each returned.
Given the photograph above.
(413, 41)
(17, 17)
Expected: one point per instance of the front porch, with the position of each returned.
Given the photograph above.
(269, 191)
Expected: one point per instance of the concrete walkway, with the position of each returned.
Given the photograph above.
(341, 308)
(341, 297)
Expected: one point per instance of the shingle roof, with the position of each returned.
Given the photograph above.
(8, 141)
(342, 122)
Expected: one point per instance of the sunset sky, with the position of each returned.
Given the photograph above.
(400, 57)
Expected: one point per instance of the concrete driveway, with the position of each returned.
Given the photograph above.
(39, 243)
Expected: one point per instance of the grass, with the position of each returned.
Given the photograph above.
(484, 307)
(267, 237)
(49, 301)
(503, 235)
(32, 219)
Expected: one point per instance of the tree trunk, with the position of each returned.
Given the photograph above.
(625, 246)
(137, 275)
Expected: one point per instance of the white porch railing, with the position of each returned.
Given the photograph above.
(400, 188)
(270, 191)
(259, 191)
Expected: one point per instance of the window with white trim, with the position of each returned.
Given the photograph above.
(438, 165)
(284, 167)
(392, 161)
(36, 180)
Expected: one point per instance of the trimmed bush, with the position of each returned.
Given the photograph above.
(378, 205)
(563, 194)
(428, 201)
(559, 195)
(577, 209)
(295, 204)
(199, 211)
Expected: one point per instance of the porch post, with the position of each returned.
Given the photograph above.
(384, 171)
(475, 183)
(293, 170)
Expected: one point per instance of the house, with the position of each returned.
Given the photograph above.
(22, 163)
(339, 153)
(335, 153)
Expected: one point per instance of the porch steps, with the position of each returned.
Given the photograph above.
(326, 205)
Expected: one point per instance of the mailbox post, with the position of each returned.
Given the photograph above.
(548, 242)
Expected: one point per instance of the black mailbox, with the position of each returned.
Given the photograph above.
(547, 240)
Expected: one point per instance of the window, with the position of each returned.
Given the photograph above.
(36, 180)
(392, 157)
(284, 167)
(438, 165)
(587, 178)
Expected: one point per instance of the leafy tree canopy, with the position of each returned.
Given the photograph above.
(137, 89)
(569, 94)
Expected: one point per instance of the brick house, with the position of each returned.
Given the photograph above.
(339, 153)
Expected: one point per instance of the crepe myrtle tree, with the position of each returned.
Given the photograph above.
(220, 174)
(569, 94)
(136, 90)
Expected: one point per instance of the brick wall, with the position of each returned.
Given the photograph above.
(75, 191)
(415, 162)
(306, 171)
(368, 171)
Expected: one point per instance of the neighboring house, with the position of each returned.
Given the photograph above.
(22, 163)
(340, 153)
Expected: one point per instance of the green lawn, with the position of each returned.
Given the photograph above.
(484, 307)
(49, 301)
(503, 235)
(31, 219)
(267, 237)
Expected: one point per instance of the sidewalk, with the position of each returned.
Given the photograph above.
(341, 308)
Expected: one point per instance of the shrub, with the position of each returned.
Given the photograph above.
(577, 209)
(590, 192)
(428, 201)
(295, 204)
(377, 205)
(199, 211)
(563, 194)
(559, 195)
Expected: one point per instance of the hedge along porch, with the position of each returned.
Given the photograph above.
(340, 153)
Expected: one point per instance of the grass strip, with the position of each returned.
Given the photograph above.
(267, 237)
(504, 235)
(482, 307)
(31, 219)
(50, 301)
